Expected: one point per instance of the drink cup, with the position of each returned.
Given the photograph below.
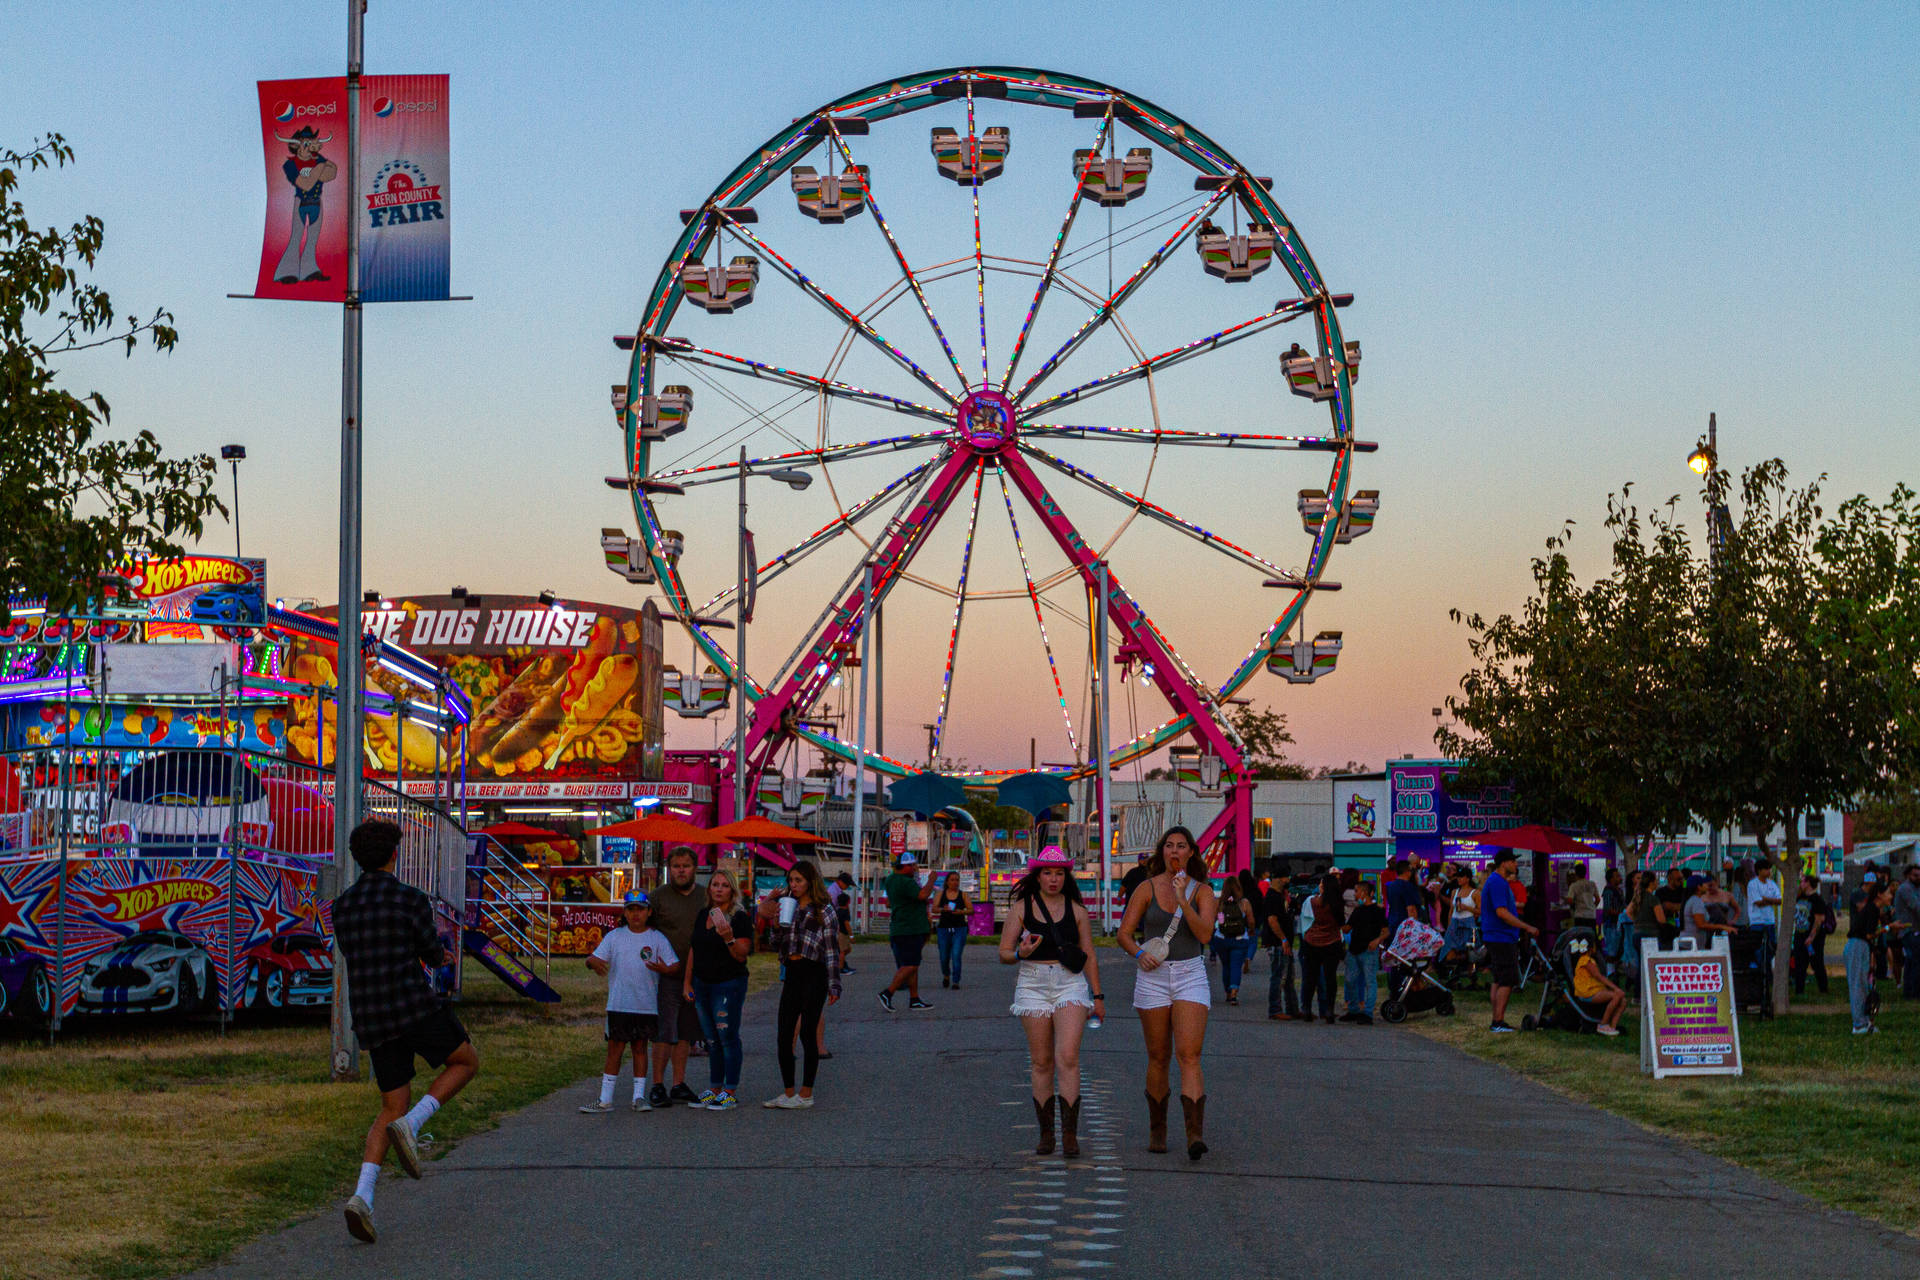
(786, 910)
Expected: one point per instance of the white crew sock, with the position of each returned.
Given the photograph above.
(607, 1082)
(364, 1188)
(639, 1088)
(422, 1112)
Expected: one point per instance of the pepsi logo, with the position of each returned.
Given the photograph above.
(283, 111)
(383, 106)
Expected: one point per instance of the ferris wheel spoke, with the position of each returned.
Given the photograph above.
(913, 281)
(1199, 439)
(820, 537)
(1033, 595)
(959, 611)
(1059, 243)
(979, 258)
(714, 473)
(1280, 314)
(832, 304)
(1154, 511)
(1106, 309)
(681, 350)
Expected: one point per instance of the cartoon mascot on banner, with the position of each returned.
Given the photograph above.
(309, 172)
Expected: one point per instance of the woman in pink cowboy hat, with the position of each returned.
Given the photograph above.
(1049, 935)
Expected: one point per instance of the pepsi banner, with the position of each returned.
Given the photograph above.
(404, 239)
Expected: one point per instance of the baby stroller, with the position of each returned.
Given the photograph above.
(1411, 985)
(1560, 1009)
(1752, 977)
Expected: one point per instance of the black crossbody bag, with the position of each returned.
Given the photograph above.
(1073, 957)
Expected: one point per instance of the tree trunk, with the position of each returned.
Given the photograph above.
(1789, 872)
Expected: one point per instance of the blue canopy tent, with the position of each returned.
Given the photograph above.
(1035, 792)
(925, 794)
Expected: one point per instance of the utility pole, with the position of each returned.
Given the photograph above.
(860, 766)
(351, 673)
(740, 662)
(1102, 745)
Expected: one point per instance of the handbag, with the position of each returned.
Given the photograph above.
(1160, 946)
(1073, 957)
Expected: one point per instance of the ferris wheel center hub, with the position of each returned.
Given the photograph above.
(985, 421)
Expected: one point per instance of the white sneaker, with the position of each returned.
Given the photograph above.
(1608, 1031)
(596, 1108)
(781, 1102)
(360, 1220)
(639, 1104)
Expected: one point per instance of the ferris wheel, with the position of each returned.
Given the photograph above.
(918, 403)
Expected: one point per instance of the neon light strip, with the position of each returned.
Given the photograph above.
(834, 305)
(979, 261)
(959, 610)
(1112, 304)
(718, 471)
(1170, 435)
(1033, 594)
(794, 378)
(825, 534)
(1155, 511)
(1059, 243)
(1225, 337)
(913, 281)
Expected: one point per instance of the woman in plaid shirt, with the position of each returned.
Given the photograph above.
(804, 932)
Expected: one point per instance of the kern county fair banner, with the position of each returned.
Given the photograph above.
(404, 242)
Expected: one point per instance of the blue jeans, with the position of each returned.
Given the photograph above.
(1280, 984)
(953, 950)
(1233, 954)
(1363, 982)
(718, 1004)
(1857, 955)
(1910, 966)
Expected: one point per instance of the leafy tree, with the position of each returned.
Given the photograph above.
(1883, 817)
(74, 506)
(1336, 770)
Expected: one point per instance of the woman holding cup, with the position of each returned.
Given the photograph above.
(1049, 935)
(716, 984)
(805, 933)
(1167, 925)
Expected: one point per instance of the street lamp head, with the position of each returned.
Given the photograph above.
(233, 453)
(795, 480)
(1701, 460)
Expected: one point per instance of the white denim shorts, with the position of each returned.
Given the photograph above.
(1042, 988)
(1173, 980)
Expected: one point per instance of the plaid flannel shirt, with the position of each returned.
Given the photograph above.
(813, 935)
(384, 931)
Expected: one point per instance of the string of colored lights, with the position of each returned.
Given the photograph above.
(820, 537)
(1033, 594)
(979, 261)
(715, 472)
(1172, 435)
(1112, 304)
(1059, 243)
(1281, 314)
(913, 281)
(1154, 511)
(959, 610)
(834, 305)
(684, 351)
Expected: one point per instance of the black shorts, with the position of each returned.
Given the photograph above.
(907, 948)
(631, 1028)
(1503, 961)
(679, 1021)
(435, 1037)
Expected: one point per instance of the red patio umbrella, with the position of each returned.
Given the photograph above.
(1535, 838)
(514, 832)
(765, 831)
(659, 827)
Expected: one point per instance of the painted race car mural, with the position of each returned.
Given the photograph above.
(154, 971)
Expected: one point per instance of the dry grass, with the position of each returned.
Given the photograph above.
(136, 1150)
(1830, 1114)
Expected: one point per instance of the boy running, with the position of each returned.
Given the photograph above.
(383, 931)
(631, 960)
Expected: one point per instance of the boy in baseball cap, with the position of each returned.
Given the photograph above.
(631, 959)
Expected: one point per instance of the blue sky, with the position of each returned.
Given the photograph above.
(1572, 231)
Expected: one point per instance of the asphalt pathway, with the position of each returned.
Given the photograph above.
(1337, 1151)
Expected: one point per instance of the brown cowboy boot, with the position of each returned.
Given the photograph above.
(1070, 1127)
(1156, 1123)
(1195, 1110)
(1043, 1112)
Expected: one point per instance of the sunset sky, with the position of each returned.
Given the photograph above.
(1571, 234)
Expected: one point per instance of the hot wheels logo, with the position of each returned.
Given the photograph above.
(143, 900)
(152, 579)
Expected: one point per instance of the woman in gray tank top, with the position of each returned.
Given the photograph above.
(1171, 995)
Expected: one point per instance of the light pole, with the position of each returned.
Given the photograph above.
(1702, 460)
(235, 454)
(795, 480)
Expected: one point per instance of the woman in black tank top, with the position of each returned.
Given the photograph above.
(950, 928)
(1048, 933)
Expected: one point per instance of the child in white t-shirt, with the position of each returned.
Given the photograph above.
(631, 959)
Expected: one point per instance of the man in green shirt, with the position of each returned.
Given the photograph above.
(907, 901)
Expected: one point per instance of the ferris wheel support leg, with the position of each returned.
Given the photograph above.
(1234, 824)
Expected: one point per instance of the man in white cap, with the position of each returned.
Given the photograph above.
(907, 931)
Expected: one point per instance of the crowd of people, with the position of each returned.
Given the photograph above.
(676, 972)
